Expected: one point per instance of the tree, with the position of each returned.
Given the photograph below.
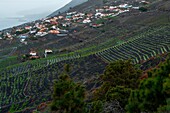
(95, 107)
(121, 73)
(119, 93)
(143, 9)
(153, 93)
(119, 79)
(68, 96)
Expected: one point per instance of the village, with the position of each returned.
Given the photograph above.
(64, 24)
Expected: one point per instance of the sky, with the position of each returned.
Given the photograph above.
(15, 7)
(12, 9)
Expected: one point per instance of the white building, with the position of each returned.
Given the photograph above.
(125, 6)
(86, 21)
(22, 40)
(99, 15)
(33, 53)
(48, 51)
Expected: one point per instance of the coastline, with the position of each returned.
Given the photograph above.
(16, 22)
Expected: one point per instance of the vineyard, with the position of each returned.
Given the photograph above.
(140, 48)
(26, 85)
(140, 36)
(28, 89)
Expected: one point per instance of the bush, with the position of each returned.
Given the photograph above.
(143, 9)
(68, 96)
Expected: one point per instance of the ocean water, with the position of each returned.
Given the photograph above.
(18, 20)
(7, 23)
(16, 12)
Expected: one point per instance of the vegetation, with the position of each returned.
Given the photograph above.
(101, 78)
(118, 80)
(153, 93)
(143, 9)
(120, 83)
(21, 32)
(68, 96)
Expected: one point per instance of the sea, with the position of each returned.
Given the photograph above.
(17, 12)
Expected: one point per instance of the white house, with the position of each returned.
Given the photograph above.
(48, 21)
(28, 27)
(99, 15)
(71, 13)
(60, 17)
(32, 32)
(144, 2)
(53, 27)
(33, 53)
(48, 51)
(112, 7)
(41, 34)
(86, 21)
(125, 6)
(135, 8)
(22, 40)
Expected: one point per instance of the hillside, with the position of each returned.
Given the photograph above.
(97, 34)
(72, 4)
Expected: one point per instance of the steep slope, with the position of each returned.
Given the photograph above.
(136, 35)
(73, 3)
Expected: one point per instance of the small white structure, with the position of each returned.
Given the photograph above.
(28, 27)
(60, 17)
(32, 32)
(86, 21)
(99, 15)
(47, 21)
(41, 34)
(22, 40)
(99, 10)
(71, 13)
(135, 8)
(144, 2)
(48, 51)
(33, 53)
(125, 6)
(53, 27)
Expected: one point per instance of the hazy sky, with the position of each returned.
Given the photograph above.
(12, 8)
(16, 12)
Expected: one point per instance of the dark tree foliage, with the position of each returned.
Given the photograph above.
(154, 93)
(119, 79)
(96, 107)
(21, 32)
(143, 9)
(68, 96)
(119, 93)
(121, 73)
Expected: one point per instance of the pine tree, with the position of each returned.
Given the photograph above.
(68, 96)
(119, 79)
(153, 93)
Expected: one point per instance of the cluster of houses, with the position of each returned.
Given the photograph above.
(34, 54)
(60, 25)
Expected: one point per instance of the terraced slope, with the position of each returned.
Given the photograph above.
(140, 48)
(29, 89)
(25, 84)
